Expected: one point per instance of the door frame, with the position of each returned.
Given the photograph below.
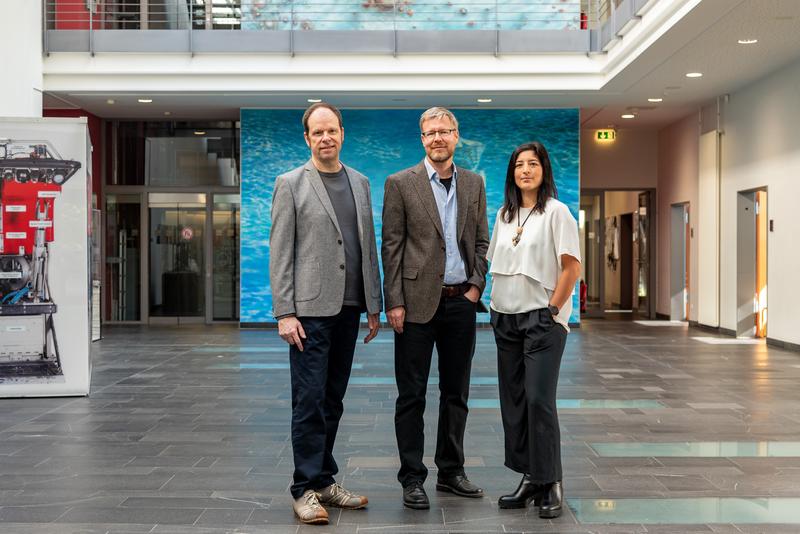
(652, 244)
(144, 244)
(685, 232)
(751, 331)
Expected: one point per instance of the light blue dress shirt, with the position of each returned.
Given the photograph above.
(446, 202)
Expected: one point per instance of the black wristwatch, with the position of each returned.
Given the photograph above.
(553, 309)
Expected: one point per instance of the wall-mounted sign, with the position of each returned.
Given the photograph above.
(605, 136)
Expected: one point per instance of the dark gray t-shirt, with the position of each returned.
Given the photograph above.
(341, 195)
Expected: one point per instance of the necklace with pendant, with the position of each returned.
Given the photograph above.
(518, 235)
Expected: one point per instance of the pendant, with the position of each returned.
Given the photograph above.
(515, 239)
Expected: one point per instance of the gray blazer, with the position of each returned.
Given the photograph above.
(413, 247)
(306, 255)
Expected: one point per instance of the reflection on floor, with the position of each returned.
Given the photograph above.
(187, 431)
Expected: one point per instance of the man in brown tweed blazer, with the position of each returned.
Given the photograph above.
(435, 238)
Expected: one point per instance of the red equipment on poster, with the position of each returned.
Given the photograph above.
(31, 176)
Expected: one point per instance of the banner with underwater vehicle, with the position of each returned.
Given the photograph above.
(44, 257)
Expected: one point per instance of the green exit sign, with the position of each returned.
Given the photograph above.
(605, 135)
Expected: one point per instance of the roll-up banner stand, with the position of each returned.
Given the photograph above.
(45, 286)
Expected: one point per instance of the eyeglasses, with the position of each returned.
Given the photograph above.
(444, 134)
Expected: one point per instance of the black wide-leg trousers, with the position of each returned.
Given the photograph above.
(319, 380)
(529, 350)
(452, 331)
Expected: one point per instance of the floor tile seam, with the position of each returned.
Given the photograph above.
(78, 399)
(658, 363)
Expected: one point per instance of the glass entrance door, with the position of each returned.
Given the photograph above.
(177, 257)
(225, 258)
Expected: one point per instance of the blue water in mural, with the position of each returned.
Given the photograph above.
(378, 143)
(411, 15)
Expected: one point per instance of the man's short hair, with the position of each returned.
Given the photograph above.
(437, 113)
(314, 107)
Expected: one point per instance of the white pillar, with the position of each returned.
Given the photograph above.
(21, 61)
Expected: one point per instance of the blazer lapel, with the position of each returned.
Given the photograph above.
(316, 182)
(358, 198)
(462, 202)
(419, 176)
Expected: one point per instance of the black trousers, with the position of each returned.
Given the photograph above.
(529, 350)
(319, 380)
(452, 331)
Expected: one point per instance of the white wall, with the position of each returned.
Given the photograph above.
(21, 60)
(630, 161)
(707, 230)
(678, 162)
(760, 147)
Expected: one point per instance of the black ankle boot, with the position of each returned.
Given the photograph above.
(552, 498)
(526, 492)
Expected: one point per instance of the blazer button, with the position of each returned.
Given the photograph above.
(341, 266)
(339, 241)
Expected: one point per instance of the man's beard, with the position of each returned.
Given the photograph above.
(438, 156)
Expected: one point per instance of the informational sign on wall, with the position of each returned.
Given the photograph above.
(379, 143)
(45, 291)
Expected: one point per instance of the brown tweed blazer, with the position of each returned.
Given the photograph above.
(413, 249)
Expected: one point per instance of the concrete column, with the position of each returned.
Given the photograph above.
(21, 61)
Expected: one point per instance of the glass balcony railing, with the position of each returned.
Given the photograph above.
(556, 17)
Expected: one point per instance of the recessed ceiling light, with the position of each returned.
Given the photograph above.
(655, 99)
(314, 100)
(110, 101)
(145, 100)
(484, 100)
(199, 132)
(628, 116)
(747, 41)
(168, 113)
(694, 74)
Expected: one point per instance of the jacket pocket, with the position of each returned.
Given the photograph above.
(410, 273)
(307, 282)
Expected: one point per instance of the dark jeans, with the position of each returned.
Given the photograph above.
(319, 380)
(452, 330)
(529, 350)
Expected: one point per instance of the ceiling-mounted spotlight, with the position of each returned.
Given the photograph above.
(111, 101)
(145, 100)
(747, 41)
(694, 74)
(628, 116)
(314, 100)
(655, 99)
(484, 100)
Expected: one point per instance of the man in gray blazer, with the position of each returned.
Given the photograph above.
(435, 238)
(323, 270)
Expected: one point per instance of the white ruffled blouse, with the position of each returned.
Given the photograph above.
(525, 276)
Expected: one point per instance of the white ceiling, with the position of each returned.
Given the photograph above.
(705, 40)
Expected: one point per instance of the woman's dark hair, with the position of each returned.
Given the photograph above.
(513, 196)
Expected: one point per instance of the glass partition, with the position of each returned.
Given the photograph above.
(123, 256)
(225, 257)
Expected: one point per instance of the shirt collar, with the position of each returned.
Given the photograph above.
(432, 172)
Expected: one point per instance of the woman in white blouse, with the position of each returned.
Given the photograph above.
(535, 262)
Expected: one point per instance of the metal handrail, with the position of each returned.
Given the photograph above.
(306, 15)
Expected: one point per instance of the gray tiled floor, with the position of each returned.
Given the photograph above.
(187, 430)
